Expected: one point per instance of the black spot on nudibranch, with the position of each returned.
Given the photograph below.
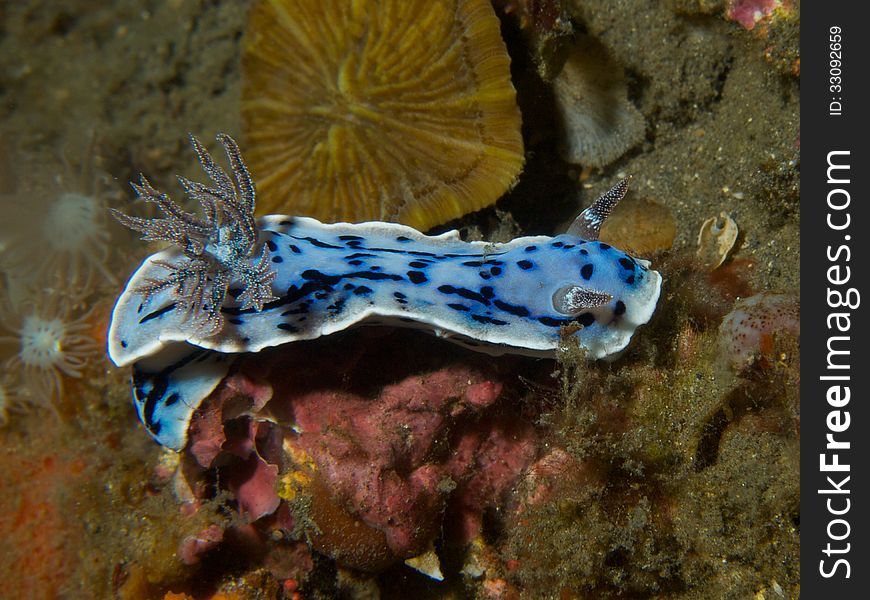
(525, 265)
(272, 246)
(295, 249)
(315, 275)
(466, 293)
(604, 246)
(460, 307)
(124, 344)
(586, 319)
(403, 239)
(374, 276)
(488, 320)
(171, 399)
(355, 263)
(586, 271)
(519, 311)
(531, 248)
(630, 280)
(551, 322)
(418, 264)
(336, 307)
(619, 308)
(496, 271)
(417, 277)
(317, 243)
(157, 313)
(277, 259)
(626, 263)
(487, 291)
(287, 327)
(347, 238)
(363, 290)
(557, 244)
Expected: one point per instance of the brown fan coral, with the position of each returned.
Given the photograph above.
(396, 110)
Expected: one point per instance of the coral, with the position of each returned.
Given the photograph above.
(192, 547)
(374, 457)
(599, 122)
(393, 111)
(253, 481)
(51, 343)
(749, 12)
(219, 249)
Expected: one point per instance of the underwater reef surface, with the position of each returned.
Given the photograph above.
(671, 472)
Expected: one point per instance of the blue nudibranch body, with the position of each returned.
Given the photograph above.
(237, 285)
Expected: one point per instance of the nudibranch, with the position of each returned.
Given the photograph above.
(234, 284)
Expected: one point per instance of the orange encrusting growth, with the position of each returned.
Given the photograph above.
(39, 530)
(393, 110)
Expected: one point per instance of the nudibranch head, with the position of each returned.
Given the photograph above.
(232, 284)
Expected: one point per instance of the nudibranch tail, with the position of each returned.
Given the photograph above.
(215, 251)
